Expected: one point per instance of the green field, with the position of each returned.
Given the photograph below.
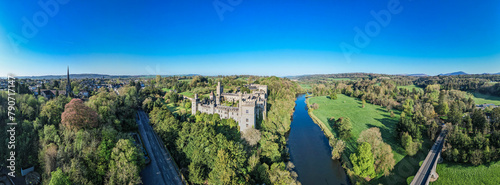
(340, 79)
(305, 86)
(166, 89)
(466, 174)
(410, 87)
(188, 94)
(361, 119)
(176, 110)
(364, 118)
(484, 98)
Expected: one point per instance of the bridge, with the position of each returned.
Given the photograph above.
(427, 171)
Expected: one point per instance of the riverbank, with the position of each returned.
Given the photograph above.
(344, 159)
(310, 151)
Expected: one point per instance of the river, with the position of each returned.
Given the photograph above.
(310, 151)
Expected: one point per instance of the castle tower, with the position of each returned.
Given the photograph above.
(194, 105)
(68, 85)
(219, 92)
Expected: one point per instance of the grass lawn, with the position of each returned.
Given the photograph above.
(361, 119)
(484, 98)
(305, 86)
(188, 94)
(450, 173)
(165, 89)
(410, 87)
(175, 109)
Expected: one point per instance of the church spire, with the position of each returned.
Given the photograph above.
(68, 85)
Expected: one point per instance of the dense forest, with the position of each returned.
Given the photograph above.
(69, 141)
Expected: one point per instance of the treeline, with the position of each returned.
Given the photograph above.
(211, 150)
(200, 84)
(480, 83)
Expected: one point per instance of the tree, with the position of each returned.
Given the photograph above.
(428, 111)
(280, 174)
(49, 158)
(408, 144)
(455, 114)
(344, 127)
(363, 103)
(223, 173)
(125, 164)
(382, 152)
(443, 110)
(138, 86)
(53, 109)
(337, 148)
(476, 157)
(433, 129)
(77, 115)
(333, 96)
(408, 106)
(251, 135)
(59, 178)
(495, 118)
(362, 161)
(479, 121)
(468, 123)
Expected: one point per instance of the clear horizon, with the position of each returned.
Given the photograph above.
(279, 38)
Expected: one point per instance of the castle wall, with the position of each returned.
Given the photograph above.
(247, 118)
(249, 106)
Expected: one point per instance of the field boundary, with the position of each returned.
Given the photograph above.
(344, 159)
(320, 123)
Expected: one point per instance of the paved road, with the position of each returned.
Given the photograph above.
(424, 173)
(162, 169)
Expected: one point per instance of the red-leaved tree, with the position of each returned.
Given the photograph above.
(77, 115)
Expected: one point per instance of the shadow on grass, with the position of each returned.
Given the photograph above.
(405, 168)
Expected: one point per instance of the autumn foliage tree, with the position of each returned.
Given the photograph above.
(77, 115)
(382, 152)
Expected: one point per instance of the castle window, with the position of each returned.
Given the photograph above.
(247, 125)
(247, 111)
(247, 119)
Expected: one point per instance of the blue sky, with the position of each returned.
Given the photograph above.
(281, 37)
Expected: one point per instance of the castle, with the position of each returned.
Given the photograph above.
(250, 106)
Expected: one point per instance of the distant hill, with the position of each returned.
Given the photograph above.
(79, 76)
(421, 74)
(454, 73)
(82, 76)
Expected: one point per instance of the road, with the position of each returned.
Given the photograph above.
(424, 173)
(162, 169)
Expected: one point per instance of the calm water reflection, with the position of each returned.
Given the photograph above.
(310, 152)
